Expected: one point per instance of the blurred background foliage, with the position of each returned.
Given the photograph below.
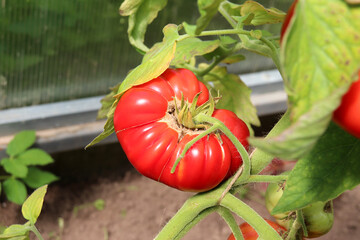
(55, 50)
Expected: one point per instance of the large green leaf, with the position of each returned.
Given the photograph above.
(235, 95)
(37, 177)
(299, 138)
(320, 52)
(15, 190)
(141, 13)
(320, 59)
(190, 47)
(32, 206)
(208, 9)
(14, 167)
(154, 63)
(331, 168)
(21, 142)
(35, 156)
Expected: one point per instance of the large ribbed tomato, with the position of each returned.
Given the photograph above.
(151, 135)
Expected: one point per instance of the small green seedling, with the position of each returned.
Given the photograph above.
(30, 210)
(99, 204)
(20, 165)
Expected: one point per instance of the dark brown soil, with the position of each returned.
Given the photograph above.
(137, 208)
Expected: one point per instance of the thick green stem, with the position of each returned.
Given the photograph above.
(196, 220)
(259, 158)
(263, 178)
(230, 220)
(191, 209)
(237, 206)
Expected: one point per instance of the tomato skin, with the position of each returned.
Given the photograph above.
(249, 232)
(287, 19)
(347, 115)
(153, 140)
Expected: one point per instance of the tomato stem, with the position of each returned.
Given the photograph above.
(239, 147)
(244, 211)
(264, 178)
(295, 227)
(190, 143)
(230, 220)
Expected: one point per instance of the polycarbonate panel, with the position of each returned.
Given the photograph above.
(54, 50)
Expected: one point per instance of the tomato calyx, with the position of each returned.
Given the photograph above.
(186, 112)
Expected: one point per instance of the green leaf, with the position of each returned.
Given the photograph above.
(299, 138)
(208, 9)
(235, 95)
(234, 59)
(331, 168)
(320, 64)
(14, 167)
(35, 156)
(141, 13)
(189, 29)
(15, 230)
(37, 177)
(21, 142)
(256, 46)
(262, 15)
(32, 206)
(155, 61)
(107, 102)
(190, 47)
(15, 190)
(320, 52)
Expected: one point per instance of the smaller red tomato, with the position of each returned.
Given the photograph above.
(287, 19)
(249, 232)
(347, 115)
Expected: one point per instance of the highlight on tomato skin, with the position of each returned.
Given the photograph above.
(347, 115)
(154, 122)
(249, 232)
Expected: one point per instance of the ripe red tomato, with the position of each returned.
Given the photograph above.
(347, 115)
(152, 137)
(287, 19)
(249, 232)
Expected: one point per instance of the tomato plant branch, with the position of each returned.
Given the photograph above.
(264, 178)
(196, 220)
(259, 158)
(230, 220)
(266, 41)
(294, 228)
(244, 211)
(232, 182)
(191, 209)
